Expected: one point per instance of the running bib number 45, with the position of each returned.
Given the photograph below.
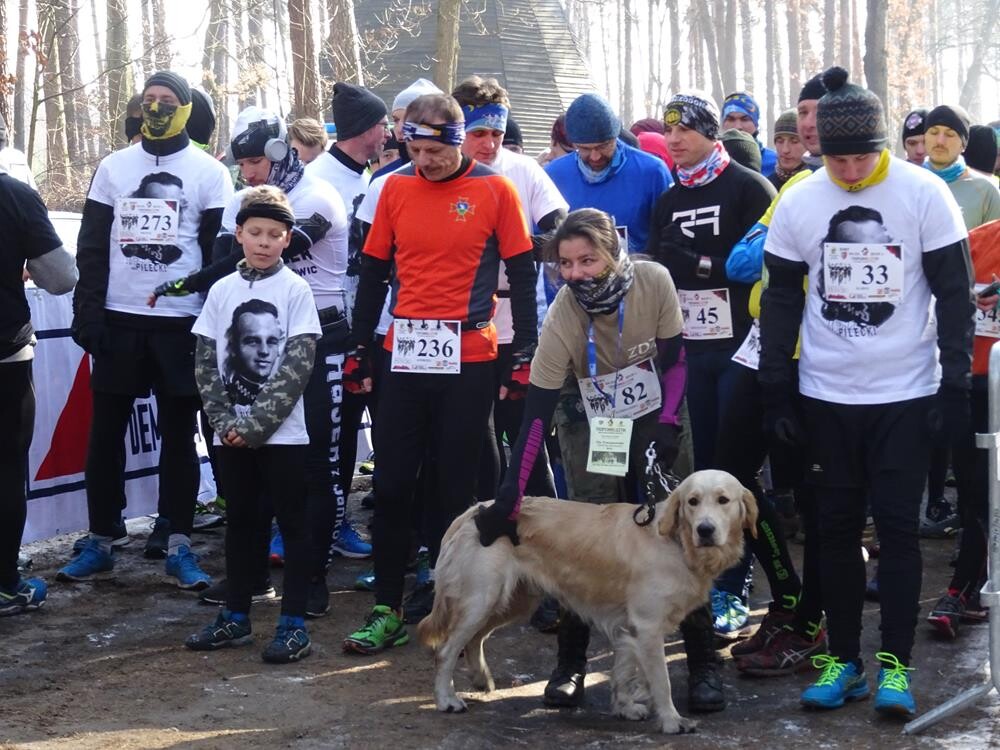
(428, 346)
(707, 313)
(859, 272)
(152, 221)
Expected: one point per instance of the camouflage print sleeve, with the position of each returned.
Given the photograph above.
(213, 393)
(281, 392)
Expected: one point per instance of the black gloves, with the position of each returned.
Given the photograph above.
(175, 288)
(494, 522)
(949, 414)
(515, 378)
(674, 242)
(781, 421)
(91, 337)
(665, 443)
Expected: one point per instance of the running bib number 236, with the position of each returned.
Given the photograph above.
(428, 346)
(861, 272)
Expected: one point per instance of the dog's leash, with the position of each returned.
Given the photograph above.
(654, 475)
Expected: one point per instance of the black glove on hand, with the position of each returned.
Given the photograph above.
(949, 414)
(665, 444)
(175, 288)
(91, 337)
(674, 242)
(494, 522)
(781, 421)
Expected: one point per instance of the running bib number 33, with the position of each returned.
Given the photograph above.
(859, 272)
(707, 313)
(152, 221)
(427, 346)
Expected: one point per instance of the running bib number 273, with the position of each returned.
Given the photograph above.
(427, 346)
(152, 221)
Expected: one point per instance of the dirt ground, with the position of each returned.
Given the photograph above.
(102, 666)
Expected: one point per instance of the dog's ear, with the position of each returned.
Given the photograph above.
(671, 517)
(750, 512)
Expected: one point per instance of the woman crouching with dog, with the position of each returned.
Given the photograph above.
(610, 368)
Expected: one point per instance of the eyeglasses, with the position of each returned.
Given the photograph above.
(606, 149)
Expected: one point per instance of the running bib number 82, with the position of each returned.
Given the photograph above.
(428, 346)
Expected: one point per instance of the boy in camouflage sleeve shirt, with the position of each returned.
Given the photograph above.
(256, 346)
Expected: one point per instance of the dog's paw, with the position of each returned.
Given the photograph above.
(678, 724)
(632, 711)
(451, 704)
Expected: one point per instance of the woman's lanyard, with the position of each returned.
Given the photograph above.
(592, 356)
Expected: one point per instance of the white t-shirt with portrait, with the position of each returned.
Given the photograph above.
(867, 352)
(158, 203)
(366, 213)
(250, 324)
(324, 266)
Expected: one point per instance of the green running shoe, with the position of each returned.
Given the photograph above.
(383, 629)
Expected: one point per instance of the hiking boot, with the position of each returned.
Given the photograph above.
(277, 552)
(546, 618)
(159, 537)
(947, 615)
(349, 543)
(290, 643)
(119, 538)
(838, 683)
(383, 629)
(893, 695)
(92, 561)
(226, 631)
(317, 598)
(29, 594)
(786, 653)
(184, 567)
(940, 520)
(773, 623)
(219, 592)
(419, 603)
(705, 690)
(365, 581)
(205, 518)
(730, 615)
(565, 688)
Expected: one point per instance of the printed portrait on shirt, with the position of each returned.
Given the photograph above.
(255, 345)
(157, 217)
(855, 225)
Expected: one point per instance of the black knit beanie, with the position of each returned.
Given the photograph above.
(512, 135)
(173, 82)
(814, 88)
(951, 116)
(849, 118)
(201, 123)
(914, 123)
(355, 110)
(981, 150)
(742, 147)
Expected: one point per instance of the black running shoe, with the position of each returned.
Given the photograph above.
(224, 632)
(217, 594)
(317, 598)
(290, 643)
(157, 543)
(419, 603)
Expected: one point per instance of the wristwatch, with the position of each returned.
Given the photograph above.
(704, 267)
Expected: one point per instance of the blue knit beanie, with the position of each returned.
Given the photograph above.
(743, 103)
(590, 119)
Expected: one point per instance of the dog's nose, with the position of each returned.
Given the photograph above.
(705, 530)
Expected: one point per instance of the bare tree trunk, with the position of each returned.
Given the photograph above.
(876, 66)
(20, 73)
(747, 28)
(255, 54)
(100, 92)
(281, 21)
(771, 54)
(696, 49)
(619, 55)
(120, 85)
(969, 98)
(959, 43)
(57, 171)
(845, 32)
(628, 104)
(653, 34)
(162, 56)
(932, 42)
(4, 67)
(708, 32)
(856, 64)
(829, 32)
(147, 39)
(794, 46)
(675, 47)
(807, 57)
(446, 44)
(220, 72)
(725, 13)
(215, 39)
(69, 86)
(306, 87)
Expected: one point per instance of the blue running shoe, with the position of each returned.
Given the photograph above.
(365, 581)
(28, 594)
(893, 695)
(423, 576)
(729, 614)
(277, 554)
(349, 543)
(184, 567)
(227, 630)
(92, 561)
(290, 643)
(838, 682)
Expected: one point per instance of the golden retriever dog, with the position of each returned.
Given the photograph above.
(634, 583)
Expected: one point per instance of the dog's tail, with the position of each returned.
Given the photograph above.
(433, 629)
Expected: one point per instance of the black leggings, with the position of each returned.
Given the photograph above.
(17, 423)
(857, 455)
(972, 475)
(740, 450)
(180, 470)
(447, 415)
(273, 475)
